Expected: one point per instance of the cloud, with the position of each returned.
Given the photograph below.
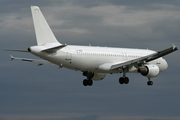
(26, 89)
(158, 119)
(151, 119)
(87, 117)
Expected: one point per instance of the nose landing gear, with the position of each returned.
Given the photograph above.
(149, 83)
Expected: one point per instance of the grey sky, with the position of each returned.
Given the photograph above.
(45, 92)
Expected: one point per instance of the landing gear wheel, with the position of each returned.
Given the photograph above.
(90, 82)
(121, 80)
(150, 83)
(126, 80)
(85, 82)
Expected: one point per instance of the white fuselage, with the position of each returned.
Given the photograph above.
(94, 62)
(88, 58)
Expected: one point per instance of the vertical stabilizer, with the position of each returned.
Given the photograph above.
(43, 32)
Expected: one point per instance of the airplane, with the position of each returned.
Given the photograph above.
(94, 62)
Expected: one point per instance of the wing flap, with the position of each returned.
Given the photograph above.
(130, 62)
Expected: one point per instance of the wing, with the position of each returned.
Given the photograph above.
(39, 62)
(145, 59)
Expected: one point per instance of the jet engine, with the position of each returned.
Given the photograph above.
(94, 76)
(98, 76)
(149, 71)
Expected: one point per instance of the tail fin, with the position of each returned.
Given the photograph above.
(43, 32)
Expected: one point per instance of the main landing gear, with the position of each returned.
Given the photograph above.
(123, 80)
(88, 81)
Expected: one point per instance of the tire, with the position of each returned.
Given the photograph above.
(90, 82)
(85, 82)
(126, 80)
(121, 80)
(150, 83)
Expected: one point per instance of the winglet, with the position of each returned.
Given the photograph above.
(12, 58)
(174, 47)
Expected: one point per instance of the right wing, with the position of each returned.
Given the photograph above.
(145, 59)
(39, 62)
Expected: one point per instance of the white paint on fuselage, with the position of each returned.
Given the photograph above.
(89, 58)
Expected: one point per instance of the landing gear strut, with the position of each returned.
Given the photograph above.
(124, 79)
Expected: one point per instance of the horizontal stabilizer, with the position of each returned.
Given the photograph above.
(16, 50)
(53, 49)
(39, 62)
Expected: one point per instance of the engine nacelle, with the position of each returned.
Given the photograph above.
(149, 71)
(98, 76)
(94, 76)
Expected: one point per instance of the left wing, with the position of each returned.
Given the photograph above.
(145, 59)
(39, 62)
